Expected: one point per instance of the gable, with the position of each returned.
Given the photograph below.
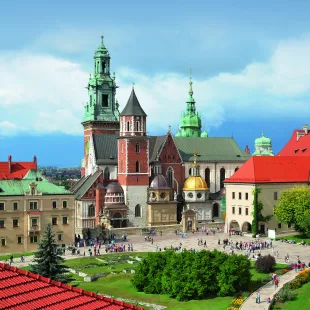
(169, 152)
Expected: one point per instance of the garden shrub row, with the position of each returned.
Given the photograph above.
(189, 275)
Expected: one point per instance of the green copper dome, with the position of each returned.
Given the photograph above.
(190, 123)
(262, 140)
(204, 134)
(263, 146)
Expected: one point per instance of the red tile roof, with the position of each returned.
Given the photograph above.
(16, 170)
(20, 289)
(273, 169)
(294, 147)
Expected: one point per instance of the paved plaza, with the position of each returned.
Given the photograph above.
(191, 242)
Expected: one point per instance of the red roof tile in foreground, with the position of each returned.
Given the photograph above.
(22, 290)
(297, 146)
(16, 170)
(273, 169)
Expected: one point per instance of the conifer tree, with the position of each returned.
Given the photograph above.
(47, 262)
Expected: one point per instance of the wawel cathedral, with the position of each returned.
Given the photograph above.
(132, 179)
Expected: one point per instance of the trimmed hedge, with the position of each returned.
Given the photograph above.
(189, 275)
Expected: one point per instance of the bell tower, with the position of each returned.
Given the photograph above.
(133, 159)
(101, 114)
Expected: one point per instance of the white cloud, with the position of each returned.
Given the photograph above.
(8, 128)
(48, 92)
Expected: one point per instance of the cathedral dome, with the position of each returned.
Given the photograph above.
(159, 182)
(204, 134)
(114, 187)
(263, 141)
(194, 183)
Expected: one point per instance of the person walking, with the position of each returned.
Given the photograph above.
(257, 298)
(276, 283)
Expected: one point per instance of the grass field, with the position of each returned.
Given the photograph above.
(119, 285)
(297, 238)
(302, 301)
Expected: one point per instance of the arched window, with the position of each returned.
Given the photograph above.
(90, 100)
(190, 171)
(137, 126)
(170, 177)
(137, 148)
(128, 126)
(137, 166)
(138, 211)
(207, 176)
(222, 177)
(106, 173)
(236, 169)
(91, 210)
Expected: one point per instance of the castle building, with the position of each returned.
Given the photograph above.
(118, 149)
(263, 146)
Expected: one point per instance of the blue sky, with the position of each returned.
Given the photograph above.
(250, 62)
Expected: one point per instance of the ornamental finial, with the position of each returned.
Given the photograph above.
(169, 129)
(190, 83)
(262, 132)
(133, 85)
(102, 39)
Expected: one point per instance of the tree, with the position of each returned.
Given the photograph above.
(47, 262)
(294, 208)
(265, 263)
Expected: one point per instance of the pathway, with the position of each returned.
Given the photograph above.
(267, 291)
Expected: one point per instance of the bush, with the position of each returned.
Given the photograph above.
(304, 276)
(285, 294)
(294, 284)
(265, 263)
(189, 275)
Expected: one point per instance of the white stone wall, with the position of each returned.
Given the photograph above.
(136, 195)
(112, 170)
(91, 165)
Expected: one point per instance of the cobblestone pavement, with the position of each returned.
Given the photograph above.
(168, 240)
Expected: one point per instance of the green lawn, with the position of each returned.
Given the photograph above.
(297, 238)
(18, 255)
(302, 301)
(119, 285)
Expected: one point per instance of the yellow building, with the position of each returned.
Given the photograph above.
(269, 175)
(27, 206)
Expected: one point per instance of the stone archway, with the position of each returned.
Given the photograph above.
(234, 225)
(116, 220)
(246, 227)
(189, 220)
(215, 210)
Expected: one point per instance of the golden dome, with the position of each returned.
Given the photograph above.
(195, 183)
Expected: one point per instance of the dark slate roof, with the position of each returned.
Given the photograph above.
(133, 106)
(210, 149)
(86, 185)
(156, 143)
(105, 149)
(78, 184)
(159, 182)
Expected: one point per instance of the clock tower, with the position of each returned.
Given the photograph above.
(101, 115)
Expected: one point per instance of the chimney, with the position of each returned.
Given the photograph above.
(247, 150)
(10, 163)
(305, 128)
(299, 134)
(35, 162)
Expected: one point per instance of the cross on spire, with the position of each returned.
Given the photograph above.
(133, 85)
(169, 128)
(102, 36)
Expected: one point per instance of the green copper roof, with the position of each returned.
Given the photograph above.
(263, 146)
(21, 187)
(263, 140)
(32, 174)
(204, 134)
(190, 122)
(210, 149)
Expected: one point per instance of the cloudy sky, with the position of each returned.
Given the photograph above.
(250, 63)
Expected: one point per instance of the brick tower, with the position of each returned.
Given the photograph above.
(101, 115)
(133, 160)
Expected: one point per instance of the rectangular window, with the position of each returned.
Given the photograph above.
(64, 204)
(33, 239)
(65, 220)
(240, 211)
(54, 203)
(246, 211)
(233, 210)
(2, 224)
(233, 195)
(289, 225)
(59, 237)
(240, 195)
(2, 206)
(246, 196)
(275, 195)
(3, 242)
(15, 223)
(34, 222)
(54, 220)
(33, 205)
(105, 100)
(15, 206)
(279, 225)
(19, 240)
